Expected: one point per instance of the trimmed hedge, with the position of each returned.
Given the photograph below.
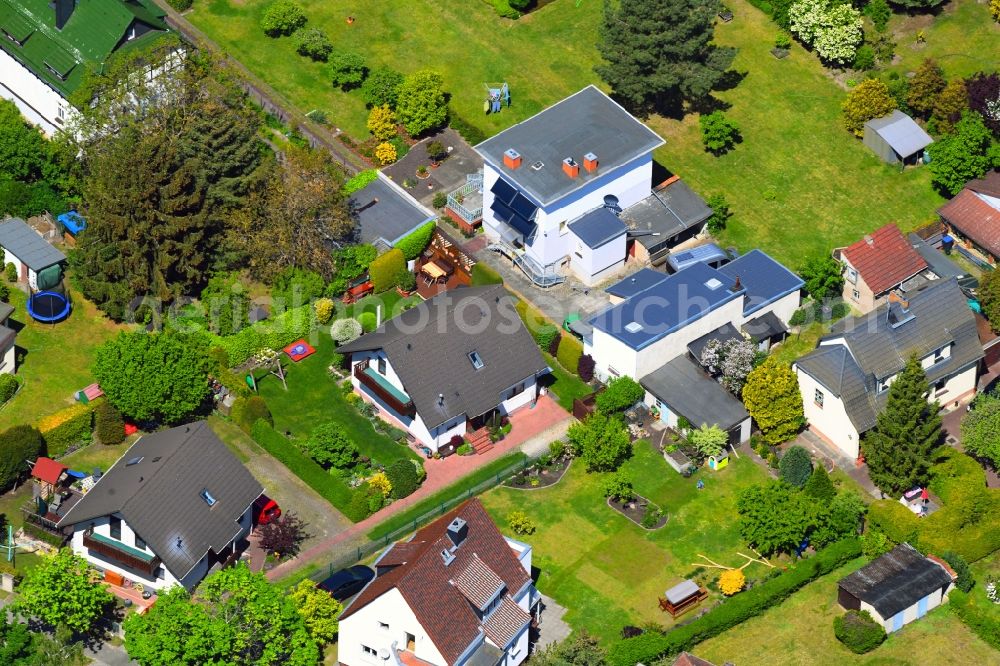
(483, 275)
(66, 427)
(414, 243)
(402, 474)
(982, 624)
(43, 535)
(545, 336)
(247, 411)
(858, 631)
(469, 132)
(745, 605)
(8, 387)
(570, 351)
(384, 271)
(109, 426)
(274, 333)
(329, 487)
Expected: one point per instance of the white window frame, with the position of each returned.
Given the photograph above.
(818, 397)
(852, 275)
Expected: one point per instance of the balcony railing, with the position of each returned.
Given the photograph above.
(472, 193)
(122, 554)
(382, 389)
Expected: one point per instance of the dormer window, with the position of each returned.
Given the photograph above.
(207, 496)
(476, 359)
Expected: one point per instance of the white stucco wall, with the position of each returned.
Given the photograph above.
(364, 628)
(958, 387)
(8, 360)
(592, 265)
(783, 308)
(831, 420)
(39, 103)
(910, 614)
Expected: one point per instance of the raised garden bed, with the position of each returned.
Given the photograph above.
(637, 510)
(539, 476)
(676, 459)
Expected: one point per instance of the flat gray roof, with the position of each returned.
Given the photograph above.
(598, 227)
(24, 243)
(586, 122)
(694, 395)
(667, 211)
(384, 213)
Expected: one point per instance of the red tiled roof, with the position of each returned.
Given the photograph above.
(884, 259)
(506, 622)
(401, 553)
(688, 659)
(975, 219)
(48, 470)
(424, 580)
(478, 583)
(988, 184)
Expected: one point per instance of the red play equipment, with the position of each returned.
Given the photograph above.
(298, 350)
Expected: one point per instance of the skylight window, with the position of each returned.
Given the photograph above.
(633, 327)
(133, 461)
(207, 496)
(477, 361)
(713, 284)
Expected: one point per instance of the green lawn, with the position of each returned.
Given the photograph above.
(567, 386)
(800, 632)
(57, 358)
(608, 571)
(544, 56)
(313, 397)
(963, 39)
(392, 305)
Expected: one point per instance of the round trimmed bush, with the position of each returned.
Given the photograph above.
(858, 631)
(8, 387)
(109, 426)
(403, 477)
(344, 330)
(796, 466)
(181, 5)
(367, 321)
(282, 18)
(247, 411)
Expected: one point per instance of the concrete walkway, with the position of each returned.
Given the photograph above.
(821, 449)
(552, 628)
(533, 429)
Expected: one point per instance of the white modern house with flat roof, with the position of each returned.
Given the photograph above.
(556, 188)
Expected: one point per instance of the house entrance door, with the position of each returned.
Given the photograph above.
(481, 420)
(411, 642)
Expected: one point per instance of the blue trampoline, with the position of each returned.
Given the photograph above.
(48, 306)
(73, 222)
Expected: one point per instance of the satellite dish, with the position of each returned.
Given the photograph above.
(383, 654)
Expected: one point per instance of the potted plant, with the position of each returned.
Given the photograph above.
(406, 284)
(422, 172)
(436, 152)
(782, 46)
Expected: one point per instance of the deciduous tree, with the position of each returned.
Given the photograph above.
(718, 133)
(319, 611)
(772, 397)
(22, 146)
(824, 277)
(774, 518)
(282, 17)
(61, 590)
(900, 448)
(382, 122)
(331, 447)
(720, 213)
(949, 105)
(984, 98)
(601, 441)
(661, 53)
(421, 103)
(981, 428)
(869, 99)
(347, 70)
(838, 519)
(620, 394)
(283, 536)
(833, 29)
(153, 376)
(314, 44)
(18, 445)
(580, 649)
(925, 86)
(381, 88)
(708, 440)
(963, 155)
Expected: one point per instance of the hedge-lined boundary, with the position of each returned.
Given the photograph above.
(971, 616)
(650, 646)
(66, 427)
(329, 487)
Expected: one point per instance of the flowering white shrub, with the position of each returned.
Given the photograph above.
(834, 31)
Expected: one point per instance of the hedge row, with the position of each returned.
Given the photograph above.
(570, 351)
(941, 531)
(386, 270)
(651, 645)
(413, 244)
(359, 181)
(469, 132)
(274, 333)
(42, 535)
(66, 427)
(982, 624)
(330, 488)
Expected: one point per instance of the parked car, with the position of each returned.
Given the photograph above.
(265, 510)
(347, 582)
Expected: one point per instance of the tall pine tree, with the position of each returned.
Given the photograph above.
(659, 53)
(900, 448)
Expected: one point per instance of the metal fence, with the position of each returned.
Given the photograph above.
(359, 553)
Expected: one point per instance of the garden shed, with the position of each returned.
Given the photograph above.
(896, 138)
(36, 261)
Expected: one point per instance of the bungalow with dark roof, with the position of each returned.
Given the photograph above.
(175, 506)
(898, 587)
(458, 592)
(877, 264)
(845, 381)
(448, 366)
(973, 215)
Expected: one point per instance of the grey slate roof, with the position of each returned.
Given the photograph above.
(428, 347)
(597, 227)
(940, 264)
(901, 133)
(586, 122)
(24, 243)
(694, 395)
(383, 213)
(897, 580)
(7, 337)
(765, 326)
(6, 310)
(765, 279)
(667, 211)
(160, 496)
(863, 350)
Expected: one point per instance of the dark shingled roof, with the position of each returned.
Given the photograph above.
(384, 213)
(598, 227)
(24, 243)
(668, 210)
(425, 581)
(896, 580)
(160, 495)
(863, 350)
(764, 279)
(586, 122)
(694, 395)
(428, 347)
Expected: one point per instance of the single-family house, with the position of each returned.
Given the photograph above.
(37, 262)
(175, 506)
(876, 265)
(898, 587)
(8, 338)
(896, 138)
(973, 215)
(449, 365)
(555, 186)
(48, 46)
(384, 213)
(457, 593)
(845, 381)
(658, 324)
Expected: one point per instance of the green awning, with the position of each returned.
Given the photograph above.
(15, 24)
(387, 385)
(118, 545)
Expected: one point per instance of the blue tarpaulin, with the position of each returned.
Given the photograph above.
(73, 222)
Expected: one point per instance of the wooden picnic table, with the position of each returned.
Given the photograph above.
(432, 270)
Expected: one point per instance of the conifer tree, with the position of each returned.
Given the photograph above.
(900, 448)
(819, 485)
(926, 84)
(659, 53)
